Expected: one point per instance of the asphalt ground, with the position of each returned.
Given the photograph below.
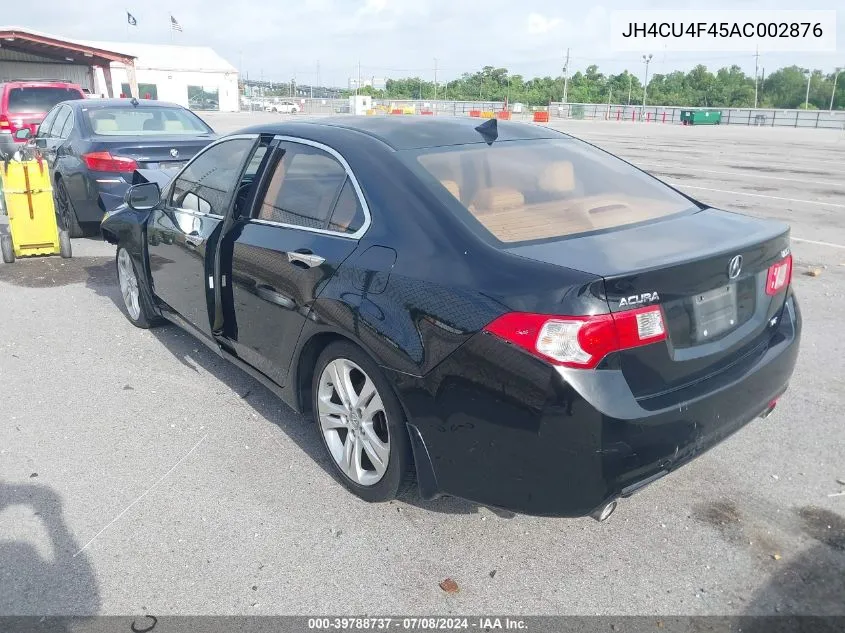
(141, 473)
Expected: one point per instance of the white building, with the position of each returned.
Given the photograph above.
(192, 76)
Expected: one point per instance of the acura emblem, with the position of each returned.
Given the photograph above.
(174, 152)
(735, 267)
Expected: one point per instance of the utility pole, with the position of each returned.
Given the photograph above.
(566, 75)
(756, 62)
(358, 84)
(807, 99)
(835, 77)
(435, 79)
(647, 61)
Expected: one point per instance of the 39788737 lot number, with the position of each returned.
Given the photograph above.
(408, 624)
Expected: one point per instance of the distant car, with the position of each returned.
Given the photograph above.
(524, 320)
(24, 104)
(94, 145)
(284, 107)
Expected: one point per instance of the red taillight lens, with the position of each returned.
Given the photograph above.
(581, 341)
(5, 124)
(103, 161)
(780, 274)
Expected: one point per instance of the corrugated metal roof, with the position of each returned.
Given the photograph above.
(168, 57)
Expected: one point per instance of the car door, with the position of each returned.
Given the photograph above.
(48, 139)
(308, 215)
(181, 228)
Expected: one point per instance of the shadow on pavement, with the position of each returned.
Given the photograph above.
(102, 278)
(33, 585)
(811, 584)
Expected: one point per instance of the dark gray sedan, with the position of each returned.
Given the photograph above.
(94, 146)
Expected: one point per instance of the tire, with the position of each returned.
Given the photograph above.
(8, 249)
(380, 431)
(136, 297)
(65, 211)
(65, 249)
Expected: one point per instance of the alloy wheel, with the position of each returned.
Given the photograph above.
(128, 284)
(353, 422)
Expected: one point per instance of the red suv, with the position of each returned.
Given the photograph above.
(24, 104)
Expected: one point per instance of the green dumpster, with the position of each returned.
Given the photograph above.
(701, 117)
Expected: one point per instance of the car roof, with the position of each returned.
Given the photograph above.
(122, 103)
(417, 132)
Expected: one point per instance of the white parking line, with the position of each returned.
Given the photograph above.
(742, 175)
(831, 245)
(681, 185)
(144, 494)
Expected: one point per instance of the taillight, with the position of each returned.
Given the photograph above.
(580, 341)
(779, 276)
(104, 161)
(5, 124)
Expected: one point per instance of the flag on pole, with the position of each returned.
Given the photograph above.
(131, 19)
(174, 25)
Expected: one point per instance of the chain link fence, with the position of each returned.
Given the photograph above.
(575, 111)
(671, 114)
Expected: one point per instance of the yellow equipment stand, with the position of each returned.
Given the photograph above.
(28, 195)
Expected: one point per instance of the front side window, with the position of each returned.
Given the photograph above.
(208, 183)
(144, 121)
(304, 187)
(541, 189)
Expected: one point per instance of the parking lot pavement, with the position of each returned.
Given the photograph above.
(141, 473)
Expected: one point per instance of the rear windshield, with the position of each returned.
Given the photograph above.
(540, 189)
(39, 98)
(144, 121)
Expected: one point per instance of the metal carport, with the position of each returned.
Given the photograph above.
(22, 49)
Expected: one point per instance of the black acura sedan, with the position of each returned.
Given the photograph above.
(518, 317)
(93, 147)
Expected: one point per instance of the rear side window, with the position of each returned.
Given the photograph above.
(529, 190)
(39, 99)
(304, 187)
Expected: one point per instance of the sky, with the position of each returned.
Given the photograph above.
(399, 38)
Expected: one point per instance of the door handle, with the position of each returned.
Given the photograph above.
(268, 293)
(308, 258)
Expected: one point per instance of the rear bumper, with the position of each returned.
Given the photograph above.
(496, 426)
(105, 193)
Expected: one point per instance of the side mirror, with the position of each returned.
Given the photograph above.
(41, 142)
(23, 134)
(143, 197)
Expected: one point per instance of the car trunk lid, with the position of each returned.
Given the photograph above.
(708, 272)
(155, 153)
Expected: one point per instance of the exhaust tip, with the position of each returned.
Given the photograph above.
(603, 513)
(769, 409)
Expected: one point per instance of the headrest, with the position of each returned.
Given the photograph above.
(105, 125)
(558, 177)
(173, 126)
(498, 199)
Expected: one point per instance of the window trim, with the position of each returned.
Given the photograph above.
(169, 191)
(350, 175)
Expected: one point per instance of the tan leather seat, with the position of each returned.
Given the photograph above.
(268, 209)
(495, 199)
(452, 187)
(558, 177)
